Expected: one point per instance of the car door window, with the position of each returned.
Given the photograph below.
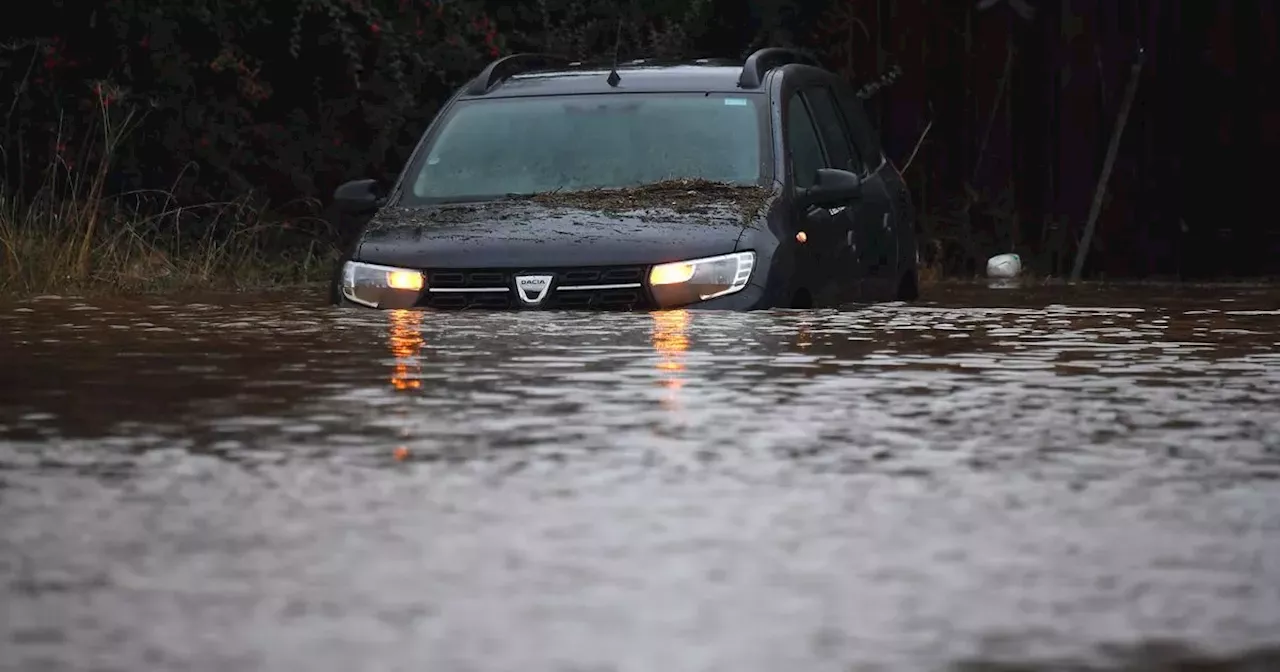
(864, 134)
(835, 137)
(802, 139)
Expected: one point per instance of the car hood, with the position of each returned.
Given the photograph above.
(527, 234)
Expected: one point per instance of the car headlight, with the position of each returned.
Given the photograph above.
(683, 282)
(381, 286)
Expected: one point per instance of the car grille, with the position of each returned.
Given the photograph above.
(592, 288)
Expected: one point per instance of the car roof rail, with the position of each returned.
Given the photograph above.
(768, 58)
(509, 66)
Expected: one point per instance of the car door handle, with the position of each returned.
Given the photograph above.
(816, 213)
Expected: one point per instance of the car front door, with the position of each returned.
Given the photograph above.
(824, 252)
(861, 217)
(879, 219)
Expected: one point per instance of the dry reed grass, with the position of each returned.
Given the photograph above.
(72, 235)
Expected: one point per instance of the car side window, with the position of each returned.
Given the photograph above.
(865, 136)
(835, 137)
(802, 141)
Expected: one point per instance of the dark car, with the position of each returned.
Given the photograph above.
(713, 184)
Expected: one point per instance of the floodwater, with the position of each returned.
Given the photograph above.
(1032, 479)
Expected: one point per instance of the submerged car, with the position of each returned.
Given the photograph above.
(547, 184)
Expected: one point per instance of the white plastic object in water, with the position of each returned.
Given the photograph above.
(1004, 266)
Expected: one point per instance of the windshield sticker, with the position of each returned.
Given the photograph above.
(735, 101)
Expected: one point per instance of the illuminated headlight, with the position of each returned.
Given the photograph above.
(381, 286)
(683, 282)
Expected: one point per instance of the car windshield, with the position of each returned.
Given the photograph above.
(518, 146)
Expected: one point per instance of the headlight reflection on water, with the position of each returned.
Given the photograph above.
(404, 338)
(670, 338)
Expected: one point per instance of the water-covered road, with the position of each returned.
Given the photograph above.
(986, 478)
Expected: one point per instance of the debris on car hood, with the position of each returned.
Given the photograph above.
(525, 232)
(680, 195)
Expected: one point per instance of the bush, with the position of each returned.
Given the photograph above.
(247, 97)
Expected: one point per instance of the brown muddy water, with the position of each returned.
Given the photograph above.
(1035, 478)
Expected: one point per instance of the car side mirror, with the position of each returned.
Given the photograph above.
(358, 196)
(832, 186)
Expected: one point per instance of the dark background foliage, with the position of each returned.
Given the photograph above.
(279, 102)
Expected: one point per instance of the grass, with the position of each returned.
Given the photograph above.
(67, 241)
(73, 236)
